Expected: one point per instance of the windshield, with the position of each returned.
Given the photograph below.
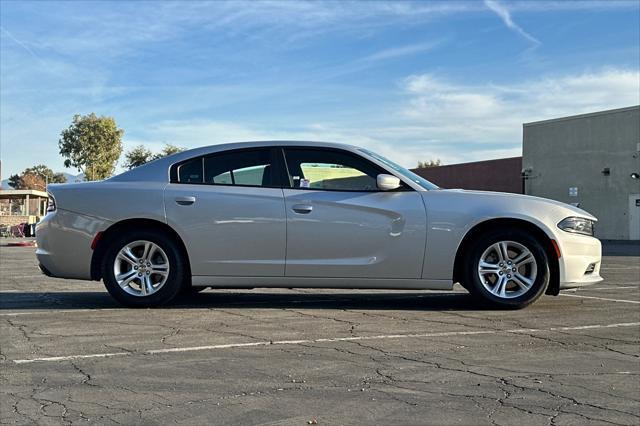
(401, 170)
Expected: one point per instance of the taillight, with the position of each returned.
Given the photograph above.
(96, 240)
(51, 204)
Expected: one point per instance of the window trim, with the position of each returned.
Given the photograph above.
(281, 175)
(276, 177)
(403, 186)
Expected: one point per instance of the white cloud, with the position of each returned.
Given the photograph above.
(440, 119)
(197, 133)
(405, 144)
(485, 114)
(20, 43)
(528, 100)
(97, 29)
(504, 14)
(570, 5)
(374, 59)
(397, 52)
(66, 65)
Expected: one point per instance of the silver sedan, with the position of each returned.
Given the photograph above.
(306, 214)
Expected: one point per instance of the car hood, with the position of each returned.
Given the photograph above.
(533, 202)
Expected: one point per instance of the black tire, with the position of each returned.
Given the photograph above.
(484, 242)
(191, 290)
(174, 283)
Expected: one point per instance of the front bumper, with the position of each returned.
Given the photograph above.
(580, 260)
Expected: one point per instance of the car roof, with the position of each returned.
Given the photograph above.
(255, 144)
(262, 144)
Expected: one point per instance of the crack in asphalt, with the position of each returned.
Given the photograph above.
(503, 382)
(478, 378)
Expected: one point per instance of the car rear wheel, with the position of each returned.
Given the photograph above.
(143, 269)
(507, 268)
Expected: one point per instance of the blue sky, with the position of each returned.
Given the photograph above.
(411, 80)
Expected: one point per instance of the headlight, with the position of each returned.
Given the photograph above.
(577, 225)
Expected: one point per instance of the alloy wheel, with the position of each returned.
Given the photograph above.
(507, 269)
(141, 268)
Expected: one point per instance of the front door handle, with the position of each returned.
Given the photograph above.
(185, 201)
(302, 208)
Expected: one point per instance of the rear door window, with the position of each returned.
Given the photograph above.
(242, 168)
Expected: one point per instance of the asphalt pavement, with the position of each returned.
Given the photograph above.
(70, 354)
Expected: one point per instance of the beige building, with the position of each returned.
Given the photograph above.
(590, 160)
(21, 206)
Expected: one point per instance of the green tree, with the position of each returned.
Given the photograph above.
(46, 173)
(137, 157)
(92, 144)
(15, 182)
(167, 150)
(141, 155)
(33, 181)
(36, 177)
(430, 163)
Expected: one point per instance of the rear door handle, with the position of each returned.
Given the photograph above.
(302, 208)
(185, 201)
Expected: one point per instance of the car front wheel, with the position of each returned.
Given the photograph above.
(143, 269)
(507, 268)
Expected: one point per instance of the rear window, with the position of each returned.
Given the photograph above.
(251, 167)
(190, 171)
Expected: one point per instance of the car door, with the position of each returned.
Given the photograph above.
(339, 225)
(228, 208)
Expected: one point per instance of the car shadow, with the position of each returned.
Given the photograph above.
(431, 301)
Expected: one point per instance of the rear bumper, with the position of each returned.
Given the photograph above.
(579, 253)
(44, 270)
(64, 244)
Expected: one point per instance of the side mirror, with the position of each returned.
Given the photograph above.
(387, 182)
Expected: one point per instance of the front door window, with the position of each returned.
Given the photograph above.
(330, 170)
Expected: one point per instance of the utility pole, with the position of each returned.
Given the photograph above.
(46, 179)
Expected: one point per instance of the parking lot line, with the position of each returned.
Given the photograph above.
(70, 357)
(601, 298)
(623, 287)
(18, 277)
(60, 311)
(322, 340)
